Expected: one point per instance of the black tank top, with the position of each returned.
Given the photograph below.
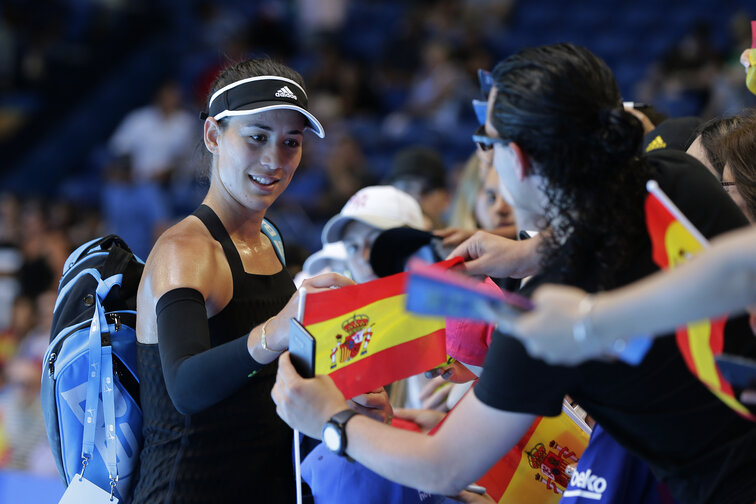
(238, 450)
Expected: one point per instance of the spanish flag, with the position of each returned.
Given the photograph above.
(674, 240)
(364, 337)
(539, 467)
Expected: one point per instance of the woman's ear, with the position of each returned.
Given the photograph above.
(211, 134)
(522, 161)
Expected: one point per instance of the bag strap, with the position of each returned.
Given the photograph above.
(100, 378)
(275, 238)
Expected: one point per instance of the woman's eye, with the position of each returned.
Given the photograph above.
(259, 138)
(291, 142)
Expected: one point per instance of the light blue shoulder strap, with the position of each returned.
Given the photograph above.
(275, 238)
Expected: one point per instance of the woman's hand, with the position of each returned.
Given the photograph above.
(453, 372)
(451, 237)
(547, 330)
(498, 257)
(434, 393)
(305, 404)
(426, 419)
(277, 328)
(374, 404)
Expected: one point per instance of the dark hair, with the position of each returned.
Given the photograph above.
(420, 167)
(243, 70)
(561, 105)
(711, 132)
(738, 150)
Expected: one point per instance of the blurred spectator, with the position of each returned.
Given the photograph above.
(272, 30)
(420, 172)
(680, 83)
(157, 138)
(36, 273)
(10, 219)
(34, 344)
(137, 211)
(22, 421)
(347, 172)
(439, 90)
(339, 81)
(492, 212)
(708, 135)
(728, 94)
(23, 319)
(320, 18)
(737, 150)
(153, 168)
(10, 263)
(218, 21)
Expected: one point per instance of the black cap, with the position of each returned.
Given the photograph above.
(676, 133)
(393, 247)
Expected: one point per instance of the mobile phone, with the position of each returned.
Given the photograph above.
(437, 292)
(302, 349)
(739, 371)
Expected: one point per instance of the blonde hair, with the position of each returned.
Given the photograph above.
(468, 187)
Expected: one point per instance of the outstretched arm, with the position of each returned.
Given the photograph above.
(470, 441)
(718, 280)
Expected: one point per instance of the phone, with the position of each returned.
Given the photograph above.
(437, 292)
(739, 371)
(302, 349)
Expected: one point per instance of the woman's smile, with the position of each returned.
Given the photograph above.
(263, 182)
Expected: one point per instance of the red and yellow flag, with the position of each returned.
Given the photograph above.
(674, 241)
(539, 467)
(364, 337)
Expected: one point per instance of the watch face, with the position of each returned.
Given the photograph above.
(332, 437)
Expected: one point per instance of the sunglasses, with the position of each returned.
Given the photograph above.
(485, 142)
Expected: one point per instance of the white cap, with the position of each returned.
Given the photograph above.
(383, 207)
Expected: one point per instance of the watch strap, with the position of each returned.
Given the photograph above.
(342, 417)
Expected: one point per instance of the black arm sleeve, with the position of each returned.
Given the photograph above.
(196, 375)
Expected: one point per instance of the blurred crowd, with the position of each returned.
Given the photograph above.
(391, 81)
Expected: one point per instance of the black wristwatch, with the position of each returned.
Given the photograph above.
(334, 432)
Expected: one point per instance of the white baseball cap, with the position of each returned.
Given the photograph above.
(383, 207)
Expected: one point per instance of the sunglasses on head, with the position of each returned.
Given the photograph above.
(485, 142)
